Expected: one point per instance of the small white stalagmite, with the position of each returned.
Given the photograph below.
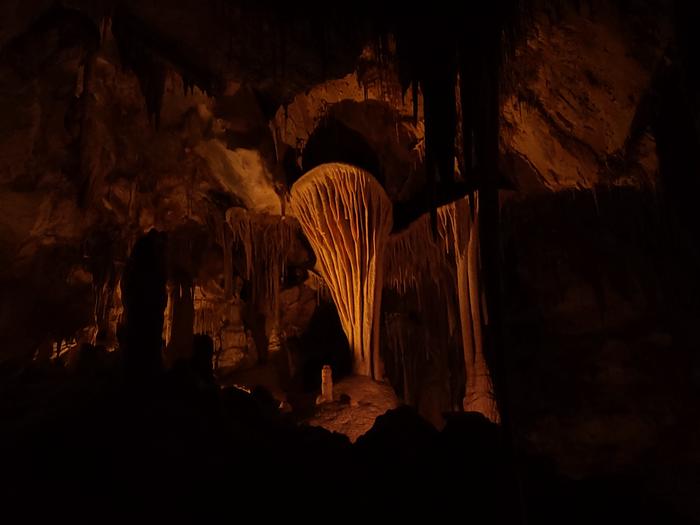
(326, 384)
(347, 217)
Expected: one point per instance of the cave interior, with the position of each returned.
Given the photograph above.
(350, 258)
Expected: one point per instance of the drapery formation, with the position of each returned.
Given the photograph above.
(415, 252)
(347, 217)
(255, 247)
(265, 241)
(462, 221)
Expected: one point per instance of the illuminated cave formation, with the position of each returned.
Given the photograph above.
(371, 244)
(265, 241)
(462, 220)
(346, 216)
(254, 248)
(416, 252)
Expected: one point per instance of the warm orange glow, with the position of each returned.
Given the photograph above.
(347, 217)
(415, 252)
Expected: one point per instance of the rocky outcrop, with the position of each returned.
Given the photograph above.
(578, 83)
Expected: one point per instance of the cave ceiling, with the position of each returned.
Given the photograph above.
(193, 108)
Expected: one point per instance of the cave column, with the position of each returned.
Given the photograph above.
(479, 395)
(346, 215)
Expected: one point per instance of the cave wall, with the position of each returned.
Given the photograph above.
(572, 114)
(601, 300)
(600, 286)
(86, 172)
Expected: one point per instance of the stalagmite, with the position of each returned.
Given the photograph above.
(326, 385)
(347, 217)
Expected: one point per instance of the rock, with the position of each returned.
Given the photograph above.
(579, 83)
(368, 400)
(233, 352)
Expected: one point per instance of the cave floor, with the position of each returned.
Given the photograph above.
(357, 400)
(90, 447)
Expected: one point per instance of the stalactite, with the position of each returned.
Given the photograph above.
(108, 306)
(238, 220)
(472, 58)
(346, 216)
(207, 315)
(318, 283)
(224, 239)
(414, 254)
(204, 321)
(180, 338)
(438, 84)
(265, 241)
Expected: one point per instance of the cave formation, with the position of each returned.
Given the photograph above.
(415, 252)
(346, 216)
(463, 217)
(447, 250)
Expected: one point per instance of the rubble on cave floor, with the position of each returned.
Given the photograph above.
(357, 400)
(357, 403)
